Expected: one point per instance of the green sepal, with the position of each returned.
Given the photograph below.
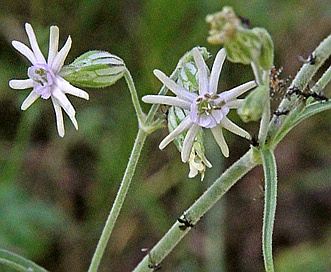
(244, 47)
(94, 69)
(266, 58)
(188, 77)
(253, 106)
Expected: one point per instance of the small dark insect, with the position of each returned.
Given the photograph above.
(281, 112)
(187, 223)
(154, 267)
(320, 96)
(311, 59)
(152, 264)
(245, 21)
(254, 141)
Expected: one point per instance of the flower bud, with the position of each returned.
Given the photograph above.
(223, 26)
(242, 44)
(197, 161)
(254, 104)
(188, 56)
(244, 47)
(94, 69)
(266, 57)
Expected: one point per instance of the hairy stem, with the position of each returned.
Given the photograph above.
(197, 210)
(119, 200)
(270, 200)
(276, 131)
(134, 96)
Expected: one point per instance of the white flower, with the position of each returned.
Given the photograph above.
(208, 109)
(198, 161)
(44, 78)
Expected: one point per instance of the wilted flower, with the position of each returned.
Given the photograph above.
(208, 109)
(197, 160)
(44, 76)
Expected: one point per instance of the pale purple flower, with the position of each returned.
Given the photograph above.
(208, 109)
(44, 78)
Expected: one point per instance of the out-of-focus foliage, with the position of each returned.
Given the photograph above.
(312, 257)
(57, 192)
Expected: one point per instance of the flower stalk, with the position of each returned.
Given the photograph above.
(119, 200)
(130, 168)
(270, 201)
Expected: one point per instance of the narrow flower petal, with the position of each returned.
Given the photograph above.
(184, 125)
(21, 84)
(202, 72)
(226, 123)
(237, 91)
(59, 117)
(32, 97)
(61, 56)
(235, 104)
(25, 51)
(166, 100)
(66, 87)
(64, 102)
(188, 142)
(68, 108)
(53, 44)
(34, 44)
(216, 70)
(218, 135)
(174, 87)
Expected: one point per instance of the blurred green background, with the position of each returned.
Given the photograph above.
(55, 194)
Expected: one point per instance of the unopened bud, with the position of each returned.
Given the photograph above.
(188, 56)
(223, 25)
(254, 104)
(94, 69)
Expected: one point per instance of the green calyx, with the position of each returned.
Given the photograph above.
(94, 69)
(253, 106)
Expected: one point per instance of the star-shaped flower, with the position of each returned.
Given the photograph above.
(208, 109)
(44, 78)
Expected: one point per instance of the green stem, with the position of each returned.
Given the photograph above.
(264, 124)
(323, 81)
(119, 200)
(257, 73)
(144, 122)
(260, 80)
(134, 96)
(270, 200)
(18, 263)
(198, 209)
(322, 52)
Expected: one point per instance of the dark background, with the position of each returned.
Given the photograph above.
(55, 194)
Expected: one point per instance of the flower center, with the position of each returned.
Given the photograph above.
(43, 79)
(209, 103)
(208, 110)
